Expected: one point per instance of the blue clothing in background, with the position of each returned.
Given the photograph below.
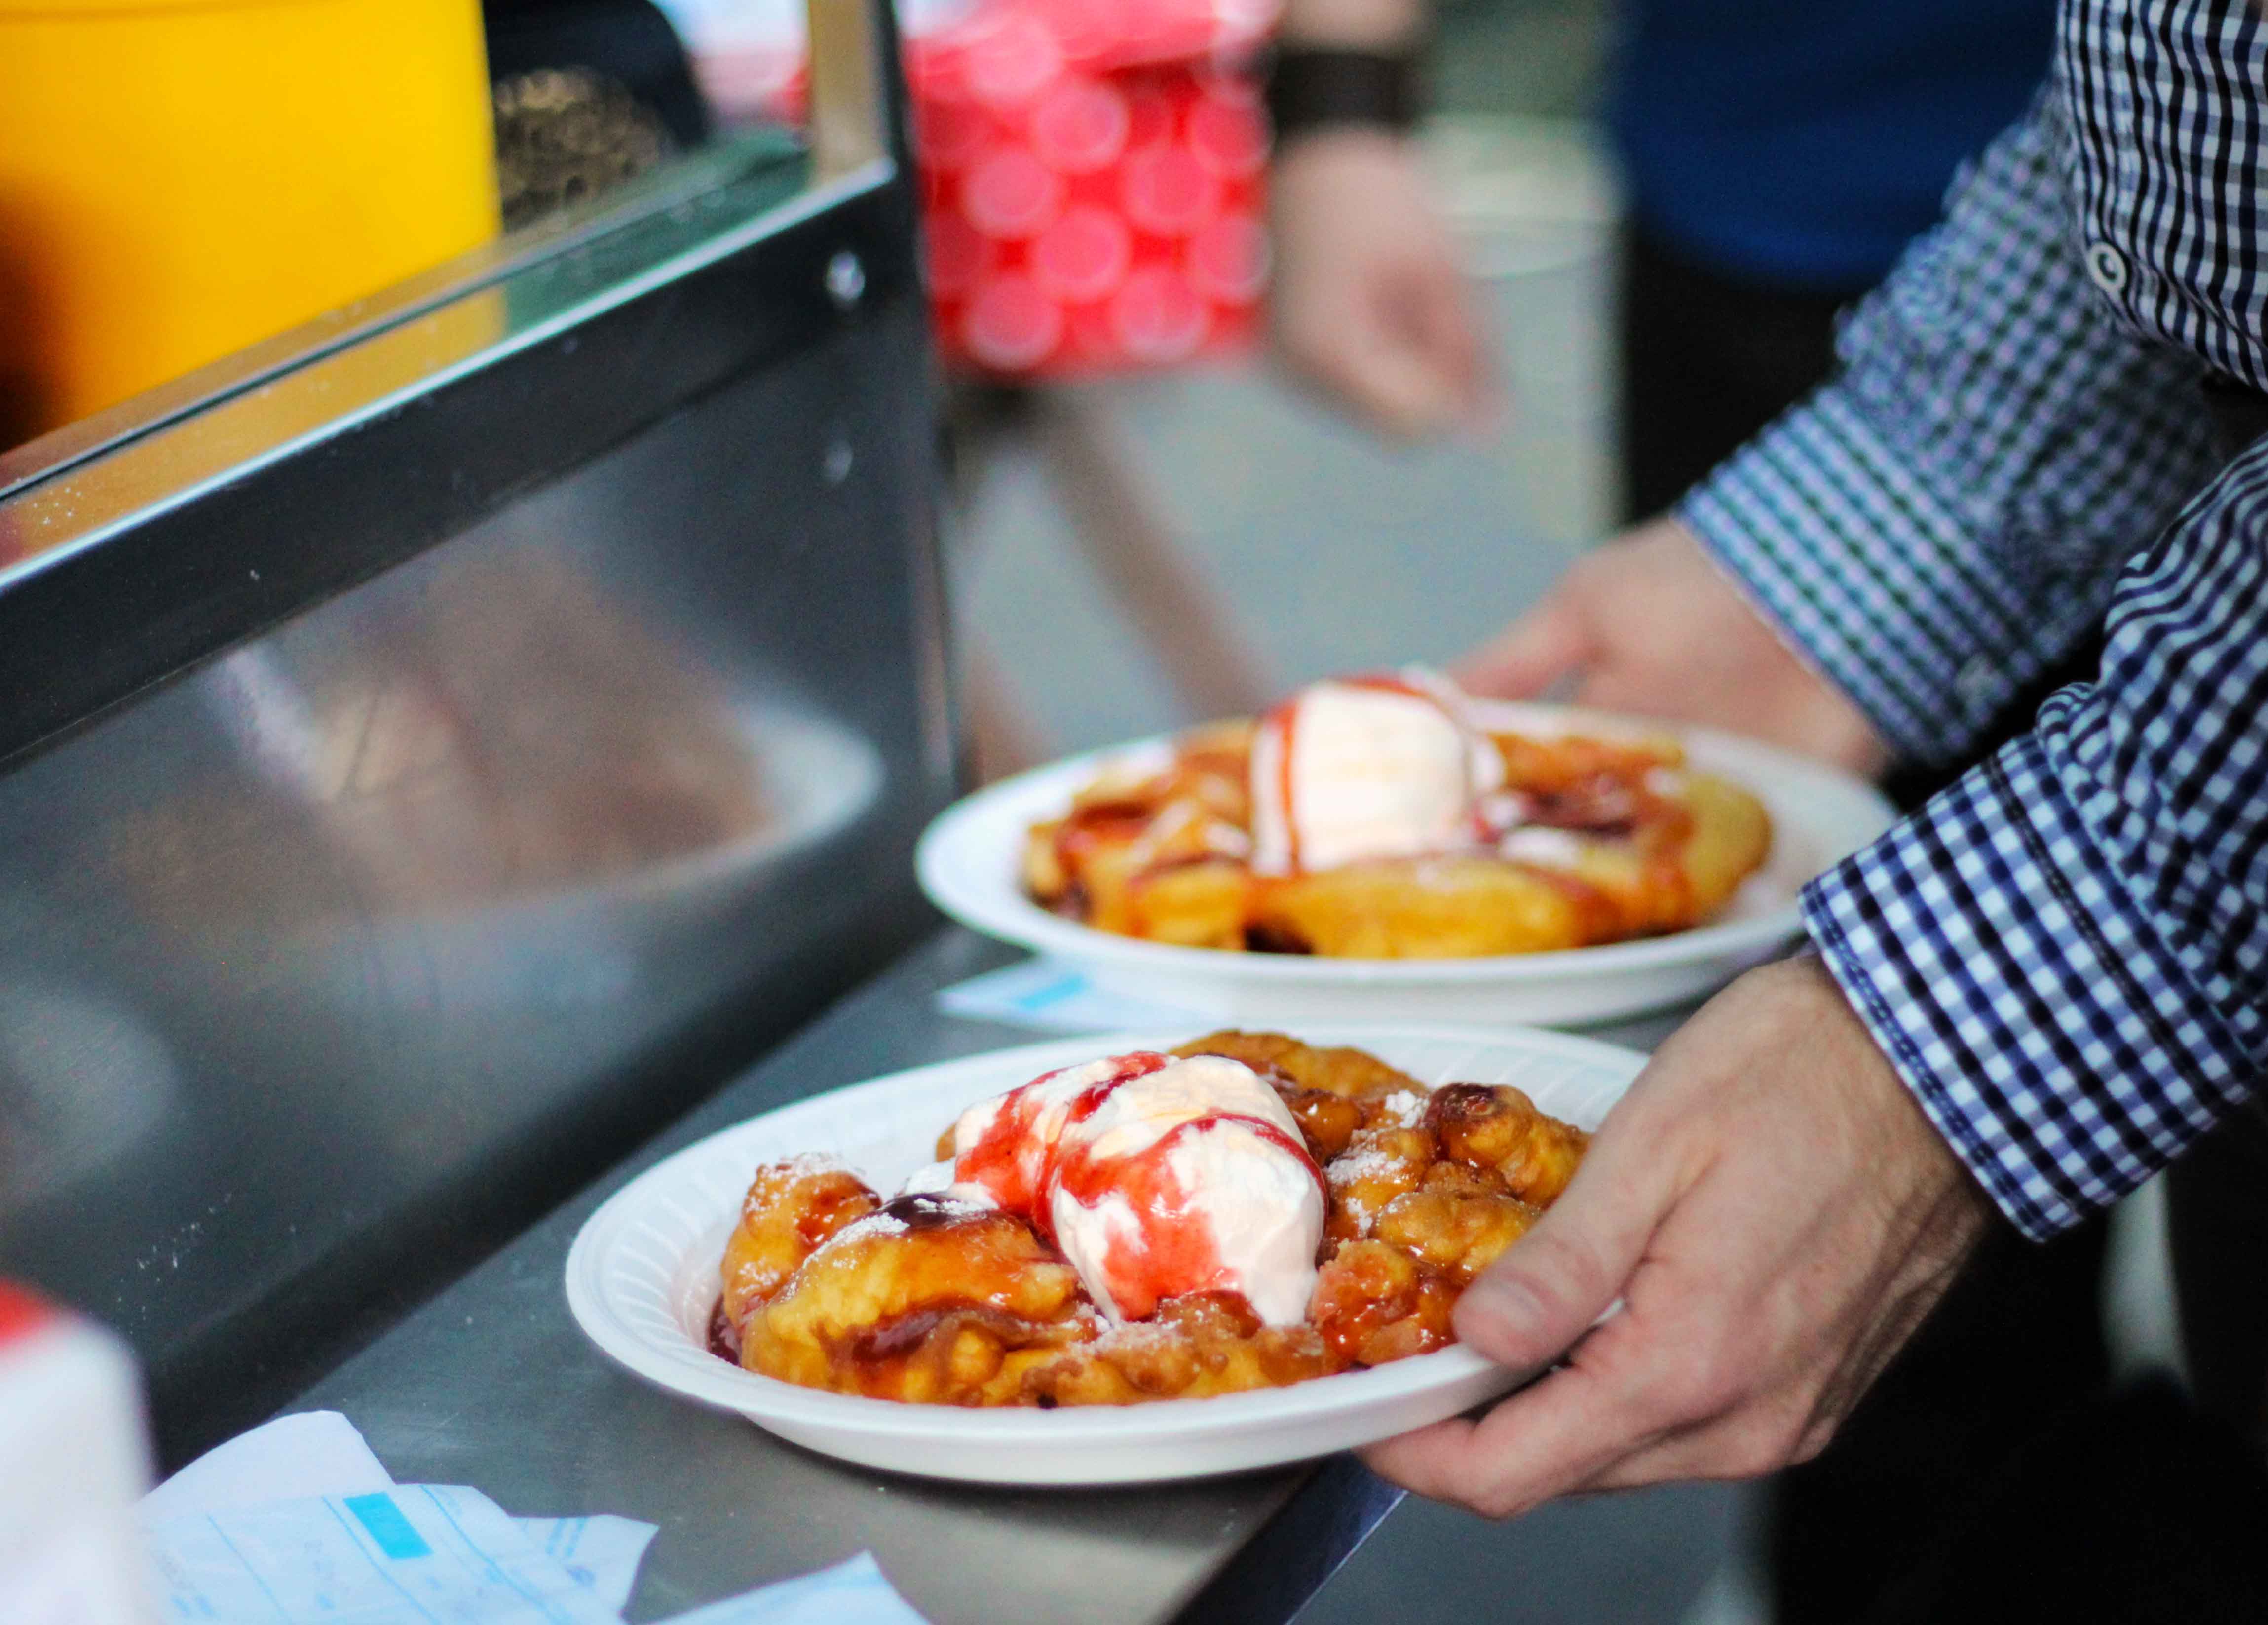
(1802, 142)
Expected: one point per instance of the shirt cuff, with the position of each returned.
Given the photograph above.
(1871, 577)
(2030, 1004)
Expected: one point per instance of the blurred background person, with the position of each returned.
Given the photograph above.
(1777, 155)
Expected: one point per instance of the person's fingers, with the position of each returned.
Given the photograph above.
(1416, 353)
(1434, 1462)
(1770, 1263)
(1747, 1441)
(1527, 1310)
(1563, 1433)
(1548, 643)
(1528, 1307)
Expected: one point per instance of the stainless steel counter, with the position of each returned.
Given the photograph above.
(491, 1385)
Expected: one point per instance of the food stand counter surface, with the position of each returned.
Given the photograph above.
(493, 1384)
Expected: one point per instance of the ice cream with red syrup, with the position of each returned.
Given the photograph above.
(1153, 1177)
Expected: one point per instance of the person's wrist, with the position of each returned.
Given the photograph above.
(1965, 1205)
(1316, 88)
(1354, 24)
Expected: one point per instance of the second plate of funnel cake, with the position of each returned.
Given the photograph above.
(1109, 1259)
(1385, 847)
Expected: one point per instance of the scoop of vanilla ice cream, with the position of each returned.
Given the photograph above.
(1137, 1112)
(1345, 771)
(1259, 1200)
(1170, 1181)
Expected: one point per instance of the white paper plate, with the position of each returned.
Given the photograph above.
(642, 1279)
(969, 857)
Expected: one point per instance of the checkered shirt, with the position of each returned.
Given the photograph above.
(2066, 954)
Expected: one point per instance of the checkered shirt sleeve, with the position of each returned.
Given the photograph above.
(2066, 955)
(1941, 523)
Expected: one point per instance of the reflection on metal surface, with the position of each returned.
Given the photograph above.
(414, 890)
(83, 1082)
(508, 732)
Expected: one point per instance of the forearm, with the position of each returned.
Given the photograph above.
(1354, 24)
(1947, 519)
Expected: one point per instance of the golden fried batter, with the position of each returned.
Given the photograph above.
(1375, 1303)
(1571, 766)
(1157, 855)
(791, 1207)
(1353, 1073)
(1380, 1166)
(1457, 1179)
(1458, 1233)
(1197, 1346)
(926, 1301)
(1327, 1121)
(1433, 908)
(1500, 1128)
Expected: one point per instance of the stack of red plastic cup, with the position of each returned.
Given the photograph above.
(1093, 172)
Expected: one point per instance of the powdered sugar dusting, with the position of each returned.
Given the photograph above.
(860, 1230)
(1407, 1106)
(886, 1223)
(1133, 1335)
(1360, 1162)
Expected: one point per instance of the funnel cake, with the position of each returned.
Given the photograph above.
(1389, 818)
(966, 1294)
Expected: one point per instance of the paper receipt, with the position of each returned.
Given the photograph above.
(416, 1555)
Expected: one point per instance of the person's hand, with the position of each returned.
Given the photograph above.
(1648, 623)
(1366, 301)
(1777, 1216)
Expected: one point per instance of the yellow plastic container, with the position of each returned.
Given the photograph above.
(179, 178)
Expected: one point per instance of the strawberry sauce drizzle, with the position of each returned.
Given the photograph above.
(1175, 1251)
(1018, 1167)
(1285, 720)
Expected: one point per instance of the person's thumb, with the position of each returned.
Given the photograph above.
(1536, 651)
(1529, 1306)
